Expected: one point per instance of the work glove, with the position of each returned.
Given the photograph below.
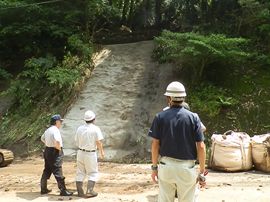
(202, 179)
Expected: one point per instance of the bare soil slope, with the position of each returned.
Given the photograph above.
(125, 91)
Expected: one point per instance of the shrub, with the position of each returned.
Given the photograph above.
(36, 68)
(4, 74)
(198, 52)
(209, 100)
(79, 47)
(66, 74)
(45, 76)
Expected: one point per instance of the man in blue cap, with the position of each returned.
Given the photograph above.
(53, 157)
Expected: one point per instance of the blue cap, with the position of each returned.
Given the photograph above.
(56, 117)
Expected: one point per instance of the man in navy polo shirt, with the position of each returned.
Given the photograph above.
(177, 139)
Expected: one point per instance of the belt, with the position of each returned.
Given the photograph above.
(52, 147)
(87, 150)
(164, 160)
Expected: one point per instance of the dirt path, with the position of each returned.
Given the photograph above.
(127, 183)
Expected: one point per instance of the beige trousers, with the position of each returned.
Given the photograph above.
(177, 175)
(87, 166)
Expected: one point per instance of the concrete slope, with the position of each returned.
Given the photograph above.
(125, 91)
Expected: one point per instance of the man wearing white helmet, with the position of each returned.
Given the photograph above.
(177, 138)
(203, 128)
(186, 106)
(88, 139)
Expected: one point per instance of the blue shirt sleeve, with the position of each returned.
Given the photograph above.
(199, 137)
(154, 131)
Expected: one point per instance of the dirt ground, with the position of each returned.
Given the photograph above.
(126, 183)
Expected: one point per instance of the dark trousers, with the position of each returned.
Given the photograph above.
(53, 165)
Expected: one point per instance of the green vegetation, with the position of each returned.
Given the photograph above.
(225, 63)
(200, 54)
(4, 74)
(221, 48)
(45, 49)
(211, 100)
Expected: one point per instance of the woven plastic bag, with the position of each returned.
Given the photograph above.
(261, 152)
(230, 152)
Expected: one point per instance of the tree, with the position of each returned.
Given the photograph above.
(197, 52)
(158, 11)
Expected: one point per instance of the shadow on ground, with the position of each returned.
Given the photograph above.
(30, 196)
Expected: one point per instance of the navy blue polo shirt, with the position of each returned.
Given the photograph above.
(178, 130)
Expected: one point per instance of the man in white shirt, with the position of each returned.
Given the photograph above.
(88, 138)
(53, 157)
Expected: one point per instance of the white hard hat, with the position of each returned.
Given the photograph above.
(89, 115)
(175, 89)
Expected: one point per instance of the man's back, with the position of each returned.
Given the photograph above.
(177, 141)
(178, 130)
(87, 135)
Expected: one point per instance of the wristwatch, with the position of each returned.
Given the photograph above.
(154, 167)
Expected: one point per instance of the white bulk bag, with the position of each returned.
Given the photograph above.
(231, 152)
(261, 152)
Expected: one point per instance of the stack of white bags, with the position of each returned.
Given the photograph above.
(236, 151)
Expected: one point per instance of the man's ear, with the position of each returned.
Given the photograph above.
(169, 100)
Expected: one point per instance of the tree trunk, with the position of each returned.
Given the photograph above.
(125, 11)
(131, 11)
(119, 4)
(200, 75)
(191, 13)
(86, 19)
(204, 11)
(158, 12)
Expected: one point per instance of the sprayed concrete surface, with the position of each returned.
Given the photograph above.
(125, 91)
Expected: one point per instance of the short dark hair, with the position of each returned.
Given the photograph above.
(177, 102)
(55, 118)
(90, 121)
(53, 122)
